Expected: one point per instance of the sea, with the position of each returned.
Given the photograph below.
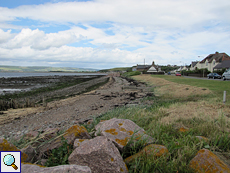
(27, 74)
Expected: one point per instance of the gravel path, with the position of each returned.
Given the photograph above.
(64, 113)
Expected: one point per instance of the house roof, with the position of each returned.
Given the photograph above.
(152, 69)
(223, 64)
(143, 66)
(219, 57)
(194, 63)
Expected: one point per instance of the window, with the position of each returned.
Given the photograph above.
(206, 63)
(214, 62)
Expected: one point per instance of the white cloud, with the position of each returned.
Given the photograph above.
(164, 31)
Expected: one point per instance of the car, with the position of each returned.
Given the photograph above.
(214, 76)
(178, 74)
(226, 74)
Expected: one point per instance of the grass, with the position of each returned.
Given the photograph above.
(178, 102)
(216, 86)
(196, 106)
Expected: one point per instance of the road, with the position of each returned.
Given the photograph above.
(203, 78)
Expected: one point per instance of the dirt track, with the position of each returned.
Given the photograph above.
(64, 113)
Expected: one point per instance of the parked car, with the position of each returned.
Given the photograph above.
(214, 76)
(226, 74)
(178, 74)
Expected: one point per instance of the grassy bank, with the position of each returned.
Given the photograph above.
(179, 102)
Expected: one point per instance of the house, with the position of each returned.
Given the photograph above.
(194, 65)
(181, 68)
(142, 68)
(212, 60)
(154, 68)
(134, 68)
(224, 64)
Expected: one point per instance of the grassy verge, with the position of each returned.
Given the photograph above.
(195, 107)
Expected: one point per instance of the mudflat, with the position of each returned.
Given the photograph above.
(66, 112)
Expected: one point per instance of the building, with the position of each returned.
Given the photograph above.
(212, 60)
(142, 68)
(154, 68)
(224, 64)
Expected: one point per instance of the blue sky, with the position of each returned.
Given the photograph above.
(105, 34)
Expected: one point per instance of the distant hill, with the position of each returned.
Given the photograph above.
(117, 69)
(43, 69)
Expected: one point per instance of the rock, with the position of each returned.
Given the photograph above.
(120, 131)
(6, 146)
(57, 169)
(206, 161)
(30, 153)
(79, 142)
(70, 135)
(31, 134)
(50, 133)
(100, 155)
(149, 151)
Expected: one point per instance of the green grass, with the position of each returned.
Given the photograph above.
(182, 146)
(218, 87)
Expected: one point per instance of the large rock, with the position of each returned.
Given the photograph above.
(70, 135)
(120, 131)
(6, 146)
(30, 153)
(79, 142)
(150, 151)
(26, 168)
(100, 155)
(206, 161)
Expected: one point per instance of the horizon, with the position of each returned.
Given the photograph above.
(102, 34)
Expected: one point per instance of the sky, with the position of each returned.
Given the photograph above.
(102, 34)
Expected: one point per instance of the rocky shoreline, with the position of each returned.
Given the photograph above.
(64, 113)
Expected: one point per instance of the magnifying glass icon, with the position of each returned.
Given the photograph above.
(9, 160)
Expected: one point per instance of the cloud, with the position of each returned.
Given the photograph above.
(115, 32)
(37, 39)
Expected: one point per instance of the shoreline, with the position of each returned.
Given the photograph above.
(117, 92)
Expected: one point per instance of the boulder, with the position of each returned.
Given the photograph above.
(79, 142)
(6, 146)
(206, 161)
(150, 151)
(100, 154)
(120, 131)
(57, 169)
(70, 135)
(30, 153)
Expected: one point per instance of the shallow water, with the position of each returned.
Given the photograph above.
(24, 74)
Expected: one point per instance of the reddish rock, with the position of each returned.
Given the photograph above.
(206, 161)
(150, 151)
(120, 131)
(26, 168)
(100, 154)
